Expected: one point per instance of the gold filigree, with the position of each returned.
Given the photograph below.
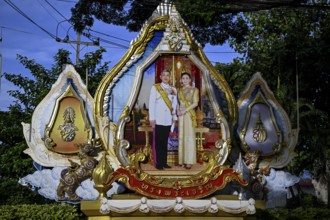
(160, 25)
(245, 146)
(102, 174)
(141, 48)
(136, 159)
(209, 173)
(68, 128)
(137, 47)
(133, 161)
(175, 36)
(259, 132)
(262, 135)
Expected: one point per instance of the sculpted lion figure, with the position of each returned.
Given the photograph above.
(251, 160)
(71, 177)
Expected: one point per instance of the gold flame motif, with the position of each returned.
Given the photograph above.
(68, 128)
(102, 174)
(259, 131)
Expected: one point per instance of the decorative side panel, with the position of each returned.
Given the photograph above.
(263, 125)
(62, 120)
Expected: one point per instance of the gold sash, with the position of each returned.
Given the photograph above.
(191, 111)
(163, 93)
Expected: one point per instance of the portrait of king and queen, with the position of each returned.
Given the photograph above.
(194, 129)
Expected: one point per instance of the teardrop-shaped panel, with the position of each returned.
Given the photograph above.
(264, 126)
(260, 132)
(69, 125)
(63, 119)
(126, 95)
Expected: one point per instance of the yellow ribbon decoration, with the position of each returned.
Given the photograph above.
(163, 93)
(191, 111)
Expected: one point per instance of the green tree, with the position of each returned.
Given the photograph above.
(282, 44)
(235, 75)
(211, 21)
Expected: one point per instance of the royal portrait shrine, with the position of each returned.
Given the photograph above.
(164, 95)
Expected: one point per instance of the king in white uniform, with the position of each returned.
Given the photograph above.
(162, 107)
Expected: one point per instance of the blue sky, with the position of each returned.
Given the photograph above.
(21, 36)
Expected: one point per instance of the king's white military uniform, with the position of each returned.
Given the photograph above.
(158, 110)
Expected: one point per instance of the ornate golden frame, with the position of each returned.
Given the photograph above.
(260, 99)
(69, 92)
(209, 73)
(288, 136)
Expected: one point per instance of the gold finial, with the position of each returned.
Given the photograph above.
(102, 175)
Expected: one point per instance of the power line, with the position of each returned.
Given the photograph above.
(88, 35)
(78, 42)
(55, 20)
(93, 38)
(57, 10)
(114, 47)
(13, 29)
(47, 11)
(109, 35)
(28, 18)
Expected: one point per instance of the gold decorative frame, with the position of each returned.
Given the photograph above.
(288, 136)
(195, 53)
(260, 99)
(69, 92)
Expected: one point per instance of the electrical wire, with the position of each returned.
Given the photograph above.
(92, 37)
(118, 38)
(28, 18)
(55, 20)
(57, 10)
(13, 29)
(46, 9)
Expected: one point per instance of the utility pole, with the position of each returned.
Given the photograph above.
(78, 42)
(0, 57)
(78, 48)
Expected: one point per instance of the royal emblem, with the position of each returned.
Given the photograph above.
(68, 129)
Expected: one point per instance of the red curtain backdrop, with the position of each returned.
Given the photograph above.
(180, 64)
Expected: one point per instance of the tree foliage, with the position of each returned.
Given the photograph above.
(210, 21)
(290, 45)
(235, 75)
